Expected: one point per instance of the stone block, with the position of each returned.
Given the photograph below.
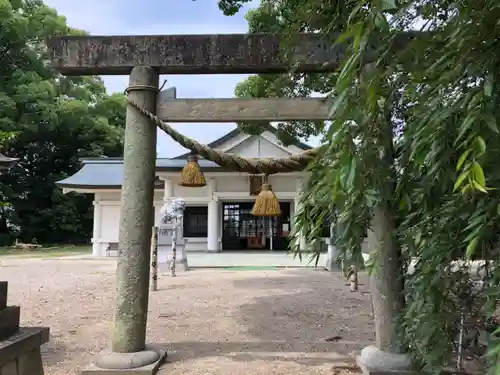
(149, 369)
(24, 341)
(30, 363)
(373, 361)
(9, 368)
(3, 294)
(9, 321)
(368, 370)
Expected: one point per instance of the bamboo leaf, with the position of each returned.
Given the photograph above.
(471, 248)
(465, 126)
(462, 158)
(460, 180)
(479, 187)
(491, 122)
(337, 102)
(480, 145)
(478, 174)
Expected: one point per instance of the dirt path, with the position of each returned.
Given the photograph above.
(212, 321)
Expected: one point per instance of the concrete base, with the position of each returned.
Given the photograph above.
(147, 362)
(373, 361)
(212, 251)
(180, 265)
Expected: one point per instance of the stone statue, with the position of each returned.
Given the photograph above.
(172, 212)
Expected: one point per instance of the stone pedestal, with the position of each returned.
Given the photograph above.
(373, 361)
(165, 232)
(145, 362)
(19, 346)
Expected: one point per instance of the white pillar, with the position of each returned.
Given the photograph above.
(96, 234)
(168, 191)
(213, 226)
(213, 218)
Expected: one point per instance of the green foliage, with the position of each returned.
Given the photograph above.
(280, 17)
(55, 121)
(416, 133)
(231, 7)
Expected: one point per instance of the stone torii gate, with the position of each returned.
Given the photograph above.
(143, 58)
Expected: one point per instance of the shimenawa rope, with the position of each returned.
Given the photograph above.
(236, 163)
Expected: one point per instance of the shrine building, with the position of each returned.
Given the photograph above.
(217, 216)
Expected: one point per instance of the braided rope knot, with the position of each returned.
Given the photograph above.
(235, 163)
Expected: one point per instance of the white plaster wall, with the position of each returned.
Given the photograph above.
(237, 184)
(109, 223)
(255, 147)
(247, 145)
(108, 196)
(187, 192)
(115, 196)
(232, 183)
(283, 183)
(274, 139)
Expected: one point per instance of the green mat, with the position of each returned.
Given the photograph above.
(251, 268)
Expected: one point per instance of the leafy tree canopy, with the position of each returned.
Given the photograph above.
(55, 120)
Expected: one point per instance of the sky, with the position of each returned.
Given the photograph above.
(128, 17)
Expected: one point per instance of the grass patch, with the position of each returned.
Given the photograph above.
(251, 268)
(46, 252)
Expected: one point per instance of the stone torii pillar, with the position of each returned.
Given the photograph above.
(129, 353)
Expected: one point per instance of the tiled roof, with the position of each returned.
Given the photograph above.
(107, 173)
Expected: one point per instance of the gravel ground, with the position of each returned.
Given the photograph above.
(294, 321)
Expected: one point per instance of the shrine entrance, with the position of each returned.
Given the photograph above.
(243, 231)
(144, 58)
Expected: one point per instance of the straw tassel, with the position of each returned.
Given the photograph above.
(266, 203)
(191, 175)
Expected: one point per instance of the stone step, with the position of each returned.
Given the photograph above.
(25, 341)
(9, 321)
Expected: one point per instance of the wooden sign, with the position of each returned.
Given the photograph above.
(255, 184)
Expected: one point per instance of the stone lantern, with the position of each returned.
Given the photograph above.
(6, 163)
